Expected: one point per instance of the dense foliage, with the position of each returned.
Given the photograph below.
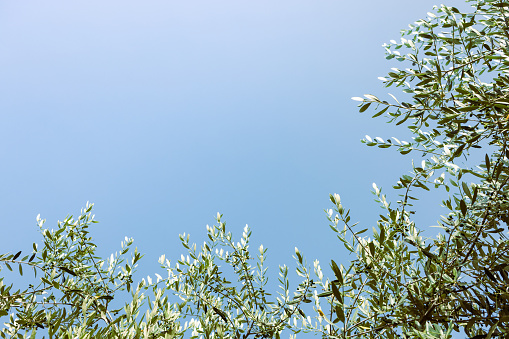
(400, 283)
(80, 295)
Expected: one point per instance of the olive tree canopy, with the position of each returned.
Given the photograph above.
(455, 101)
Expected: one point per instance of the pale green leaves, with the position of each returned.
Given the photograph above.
(451, 108)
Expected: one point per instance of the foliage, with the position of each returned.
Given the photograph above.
(74, 292)
(242, 308)
(80, 295)
(402, 284)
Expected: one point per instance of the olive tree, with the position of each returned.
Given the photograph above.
(72, 290)
(217, 292)
(400, 283)
(223, 288)
(455, 102)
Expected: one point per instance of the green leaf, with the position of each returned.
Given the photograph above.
(466, 190)
(16, 255)
(220, 313)
(106, 297)
(381, 112)
(463, 207)
(490, 275)
(403, 120)
(372, 249)
(65, 269)
(324, 294)
(361, 231)
(364, 107)
(458, 151)
(421, 185)
(337, 272)
(339, 313)
(336, 293)
(299, 256)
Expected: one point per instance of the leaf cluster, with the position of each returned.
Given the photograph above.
(240, 306)
(402, 284)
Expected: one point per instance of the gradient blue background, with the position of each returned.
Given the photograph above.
(163, 113)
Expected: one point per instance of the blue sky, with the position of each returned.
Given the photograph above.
(163, 113)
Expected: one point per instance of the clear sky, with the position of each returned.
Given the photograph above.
(164, 113)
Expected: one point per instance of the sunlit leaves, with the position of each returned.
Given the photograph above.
(74, 287)
(455, 101)
(199, 279)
